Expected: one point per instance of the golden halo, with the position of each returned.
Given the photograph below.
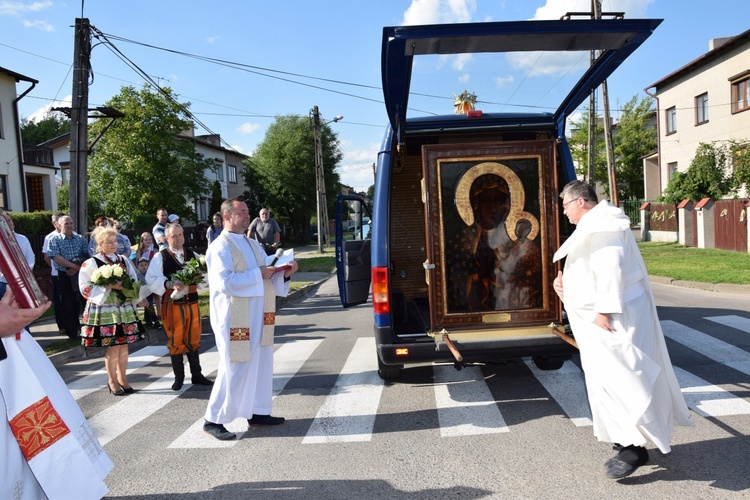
(517, 197)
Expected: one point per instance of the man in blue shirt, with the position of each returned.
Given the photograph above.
(67, 252)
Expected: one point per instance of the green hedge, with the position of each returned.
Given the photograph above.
(32, 223)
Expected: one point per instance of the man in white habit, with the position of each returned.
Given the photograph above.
(47, 449)
(243, 292)
(631, 385)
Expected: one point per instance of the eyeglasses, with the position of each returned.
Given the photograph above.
(565, 204)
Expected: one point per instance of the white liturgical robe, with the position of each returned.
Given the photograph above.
(632, 389)
(240, 389)
(47, 449)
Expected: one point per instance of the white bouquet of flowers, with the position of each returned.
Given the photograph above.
(192, 273)
(112, 274)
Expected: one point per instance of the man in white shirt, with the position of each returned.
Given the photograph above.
(25, 246)
(158, 230)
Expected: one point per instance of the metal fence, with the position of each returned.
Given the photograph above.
(632, 209)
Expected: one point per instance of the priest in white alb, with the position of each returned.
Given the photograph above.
(243, 290)
(631, 385)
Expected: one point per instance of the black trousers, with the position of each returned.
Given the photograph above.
(70, 298)
(57, 302)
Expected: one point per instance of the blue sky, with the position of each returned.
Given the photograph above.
(336, 40)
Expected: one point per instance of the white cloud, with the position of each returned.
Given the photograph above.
(212, 39)
(464, 78)
(558, 63)
(20, 9)
(439, 11)
(460, 60)
(247, 128)
(504, 81)
(17, 8)
(355, 169)
(554, 9)
(44, 111)
(42, 25)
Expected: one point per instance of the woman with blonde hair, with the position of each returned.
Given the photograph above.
(109, 320)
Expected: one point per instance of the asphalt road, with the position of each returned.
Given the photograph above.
(499, 431)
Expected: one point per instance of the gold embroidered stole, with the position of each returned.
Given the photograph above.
(239, 309)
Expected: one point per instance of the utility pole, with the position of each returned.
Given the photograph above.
(320, 184)
(79, 126)
(596, 13)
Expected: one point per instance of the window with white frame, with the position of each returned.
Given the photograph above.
(671, 169)
(219, 164)
(232, 174)
(741, 95)
(671, 119)
(701, 109)
(201, 208)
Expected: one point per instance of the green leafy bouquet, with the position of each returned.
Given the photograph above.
(193, 272)
(112, 274)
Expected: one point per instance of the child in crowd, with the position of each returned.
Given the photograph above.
(150, 320)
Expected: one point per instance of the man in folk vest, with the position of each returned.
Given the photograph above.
(181, 317)
(243, 313)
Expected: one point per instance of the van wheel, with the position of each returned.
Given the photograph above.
(388, 372)
(549, 362)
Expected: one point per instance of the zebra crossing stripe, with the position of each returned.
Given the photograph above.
(98, 379)
(713, 348)
(287, 361)
(732, 321)
(568, 388)
(707, 399)
(131, 410)
(474, 411)
(348, 413)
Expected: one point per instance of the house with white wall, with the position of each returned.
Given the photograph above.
(705, 101)
(24, 186)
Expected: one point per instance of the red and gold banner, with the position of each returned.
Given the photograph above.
(38, 427)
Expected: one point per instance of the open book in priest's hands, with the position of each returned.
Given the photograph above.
(284, 261)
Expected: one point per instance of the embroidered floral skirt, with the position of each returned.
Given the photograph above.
(112, 323)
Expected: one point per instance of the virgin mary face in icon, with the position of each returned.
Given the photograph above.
(490, 201)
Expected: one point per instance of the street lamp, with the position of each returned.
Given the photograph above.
(320, 184)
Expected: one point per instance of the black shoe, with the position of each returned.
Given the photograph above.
(177, 385)
(617, 447)
(218, 431)
(626, 462)
(118, 392)
(128, 390)
(200, 380)
(265, 420)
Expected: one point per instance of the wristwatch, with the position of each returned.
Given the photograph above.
(169, 284)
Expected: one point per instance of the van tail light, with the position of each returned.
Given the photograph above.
(380, 292)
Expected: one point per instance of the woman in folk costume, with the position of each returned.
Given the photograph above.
(108, 320)
(631, 385)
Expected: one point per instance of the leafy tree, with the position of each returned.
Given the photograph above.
(141, 163)
(579, 149)
(635, 138)
(740, 153)
(216, 199)
(284, 165)
(706, 177)
(63, 197)
(34, 133)
(255, 196)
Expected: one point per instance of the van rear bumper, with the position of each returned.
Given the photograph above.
(486, 350)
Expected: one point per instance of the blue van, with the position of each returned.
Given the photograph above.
(466, 213)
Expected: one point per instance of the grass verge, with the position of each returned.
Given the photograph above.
(678, 262)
